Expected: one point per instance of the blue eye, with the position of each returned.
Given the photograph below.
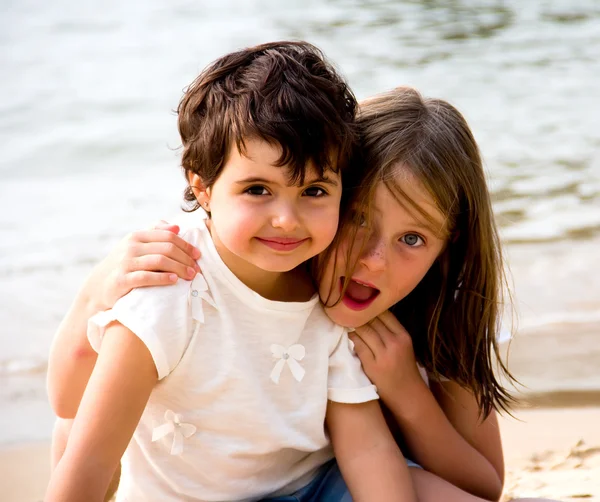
(315, 192)
(412, 240)
(256, 190)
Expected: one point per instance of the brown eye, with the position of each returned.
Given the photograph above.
(256, 190)
(359, 218)
(315, 192)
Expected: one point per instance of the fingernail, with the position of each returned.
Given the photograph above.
(195, 253)
(173, 277)
(191, 272)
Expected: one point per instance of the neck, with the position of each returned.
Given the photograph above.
(292, 286)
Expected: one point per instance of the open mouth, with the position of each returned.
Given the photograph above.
(358, 295)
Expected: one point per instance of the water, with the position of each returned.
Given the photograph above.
(89, 144)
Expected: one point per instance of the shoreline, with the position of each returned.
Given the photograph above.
(558, 399)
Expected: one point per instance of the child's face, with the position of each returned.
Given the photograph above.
(399, 248)
(261, 222)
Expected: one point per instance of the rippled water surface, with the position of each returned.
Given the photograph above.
(88, 135)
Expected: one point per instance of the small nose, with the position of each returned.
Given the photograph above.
(285, 217)
(373, 255)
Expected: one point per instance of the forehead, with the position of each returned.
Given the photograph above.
(263, 159)
(402, 198)
(256, 151)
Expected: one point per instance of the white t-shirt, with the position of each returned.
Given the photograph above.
(239, 409)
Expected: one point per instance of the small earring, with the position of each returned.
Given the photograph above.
(206, 205)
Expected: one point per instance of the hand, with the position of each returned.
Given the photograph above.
(386, 352)
(146, 258)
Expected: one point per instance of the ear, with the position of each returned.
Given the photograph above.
(201, 193)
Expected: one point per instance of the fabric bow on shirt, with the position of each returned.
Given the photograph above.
(179, 429)
(289, 356)
(199, 292)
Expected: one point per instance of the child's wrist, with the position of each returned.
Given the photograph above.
(409, 401)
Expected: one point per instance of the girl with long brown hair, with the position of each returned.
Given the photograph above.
(423, 243)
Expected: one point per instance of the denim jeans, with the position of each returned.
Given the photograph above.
(327, 486)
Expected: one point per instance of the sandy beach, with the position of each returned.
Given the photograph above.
(550, 452)
(553, 452)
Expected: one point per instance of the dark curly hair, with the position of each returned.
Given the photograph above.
(284, 93)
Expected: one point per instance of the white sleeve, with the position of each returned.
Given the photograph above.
(159, 316)
(347, 382)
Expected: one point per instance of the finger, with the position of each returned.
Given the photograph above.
(391, 322)
(364, 353)
(144, 278)
(168, 250)
(392, 332)
(167, 226)
(383, 331)
(371, 338)
(163, 224)
(161, 263)
(158, 235)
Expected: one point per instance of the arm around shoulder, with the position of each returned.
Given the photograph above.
(72, 358)
(142, 259)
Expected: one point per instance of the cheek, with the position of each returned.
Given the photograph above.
(405, 277)
(333, 269)
(338, 261)
(327, 233)
(323, 222)
(234, 223)
(343, 257)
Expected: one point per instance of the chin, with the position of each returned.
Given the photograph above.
(345, 317)
(277, 266)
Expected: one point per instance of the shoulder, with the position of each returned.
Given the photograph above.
(321, 322)
(160, 297)
(193, 235)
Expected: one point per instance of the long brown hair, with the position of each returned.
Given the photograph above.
(454, 313)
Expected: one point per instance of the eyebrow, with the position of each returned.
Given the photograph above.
(321, 179)
(425, 226)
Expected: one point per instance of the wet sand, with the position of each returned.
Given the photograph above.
(558, 361)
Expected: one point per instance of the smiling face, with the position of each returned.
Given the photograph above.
(259, 221)
(392, 253)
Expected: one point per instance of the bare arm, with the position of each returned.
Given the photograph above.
(460, 408)
(146, 258)
(435, 433)
(71, 359)
(437, 437)
(369, 459)
(112, 405)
